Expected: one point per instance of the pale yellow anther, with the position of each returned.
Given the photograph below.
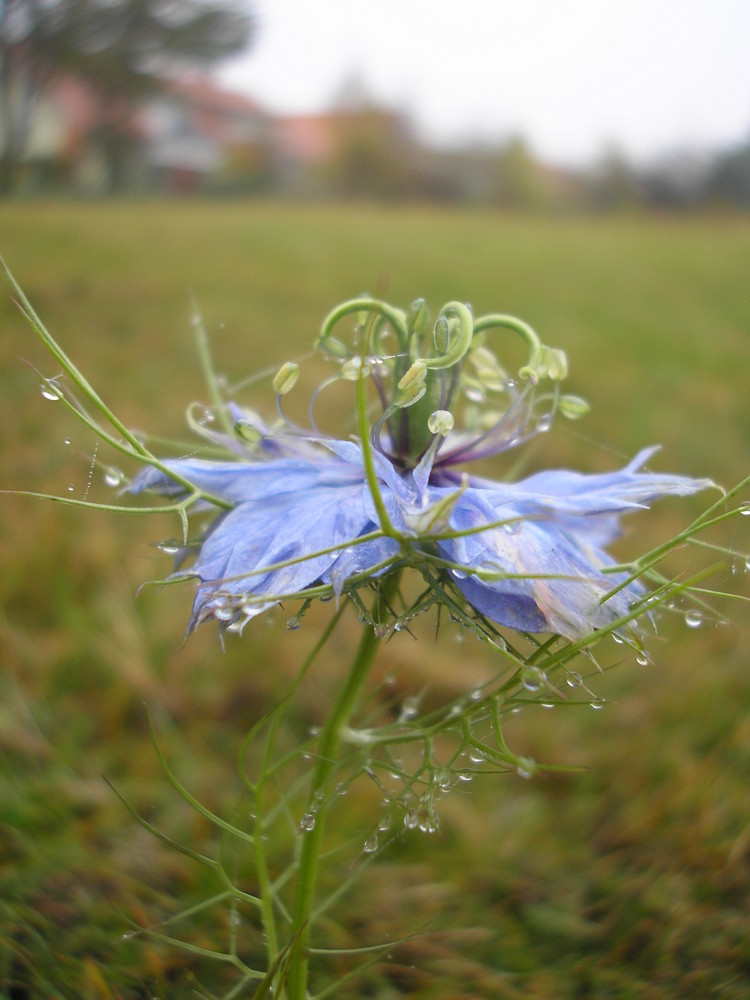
(285, 378)
(415, 374)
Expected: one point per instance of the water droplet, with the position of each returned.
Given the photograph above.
(223, 612)
(382, 630)
(465, 776)
(477, 694)
(525, 767)
(71, 487)
(307, 822)
(511, 527)
(476, 756)
(205, 415)
(544, 423)
(384, 824)
(459, 574)
(598, 704)
(693, 619)
(429, 823)
(170, 547)
(409, 709)
(574, 679)
(371, 845)
(532, 678)
(51, 391)
(293, 623)
(510, 383)
(411, 819)
(744, 509)
(642, 660)
(618, 638)
(67, 440)
(113, 476)
(548, 704)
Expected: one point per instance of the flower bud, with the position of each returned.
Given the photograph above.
(247, 431)
(415, 374)
(442, 334)
(285, 378)
(556, 363)
(416, 318)
(410, 394)
(573, 407)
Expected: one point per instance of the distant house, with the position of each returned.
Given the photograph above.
(194, 135)
(198, 134)
(189, 136)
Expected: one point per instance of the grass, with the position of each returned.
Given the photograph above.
(630, 878)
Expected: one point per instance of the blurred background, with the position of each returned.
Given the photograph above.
(585, 166)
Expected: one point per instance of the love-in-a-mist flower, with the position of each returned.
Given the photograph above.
(311, 515)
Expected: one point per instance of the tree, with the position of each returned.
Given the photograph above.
(121, 48)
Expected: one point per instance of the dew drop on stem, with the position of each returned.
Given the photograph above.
(411, 819)
(307, 822)
(693, 619)
(113, 477)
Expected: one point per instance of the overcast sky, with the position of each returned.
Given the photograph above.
(573, 76)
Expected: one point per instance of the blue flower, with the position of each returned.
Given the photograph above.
(299, 523)
(312, 515)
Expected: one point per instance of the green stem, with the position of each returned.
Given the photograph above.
(327, 754)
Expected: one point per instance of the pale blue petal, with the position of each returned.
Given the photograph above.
(258, 534)
(401, 485)
(561, 491)
(359, 558)
(242, 481)
(562, 586)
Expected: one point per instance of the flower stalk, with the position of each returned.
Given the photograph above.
(319, 799)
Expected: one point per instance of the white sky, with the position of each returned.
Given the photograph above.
(573, 76)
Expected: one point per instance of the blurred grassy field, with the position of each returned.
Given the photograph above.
(630, 878)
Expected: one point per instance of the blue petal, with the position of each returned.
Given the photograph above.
(258, 534)
(561, 588)
(564, 492)
(242, 481)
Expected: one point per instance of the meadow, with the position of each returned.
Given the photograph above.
(625, 877)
